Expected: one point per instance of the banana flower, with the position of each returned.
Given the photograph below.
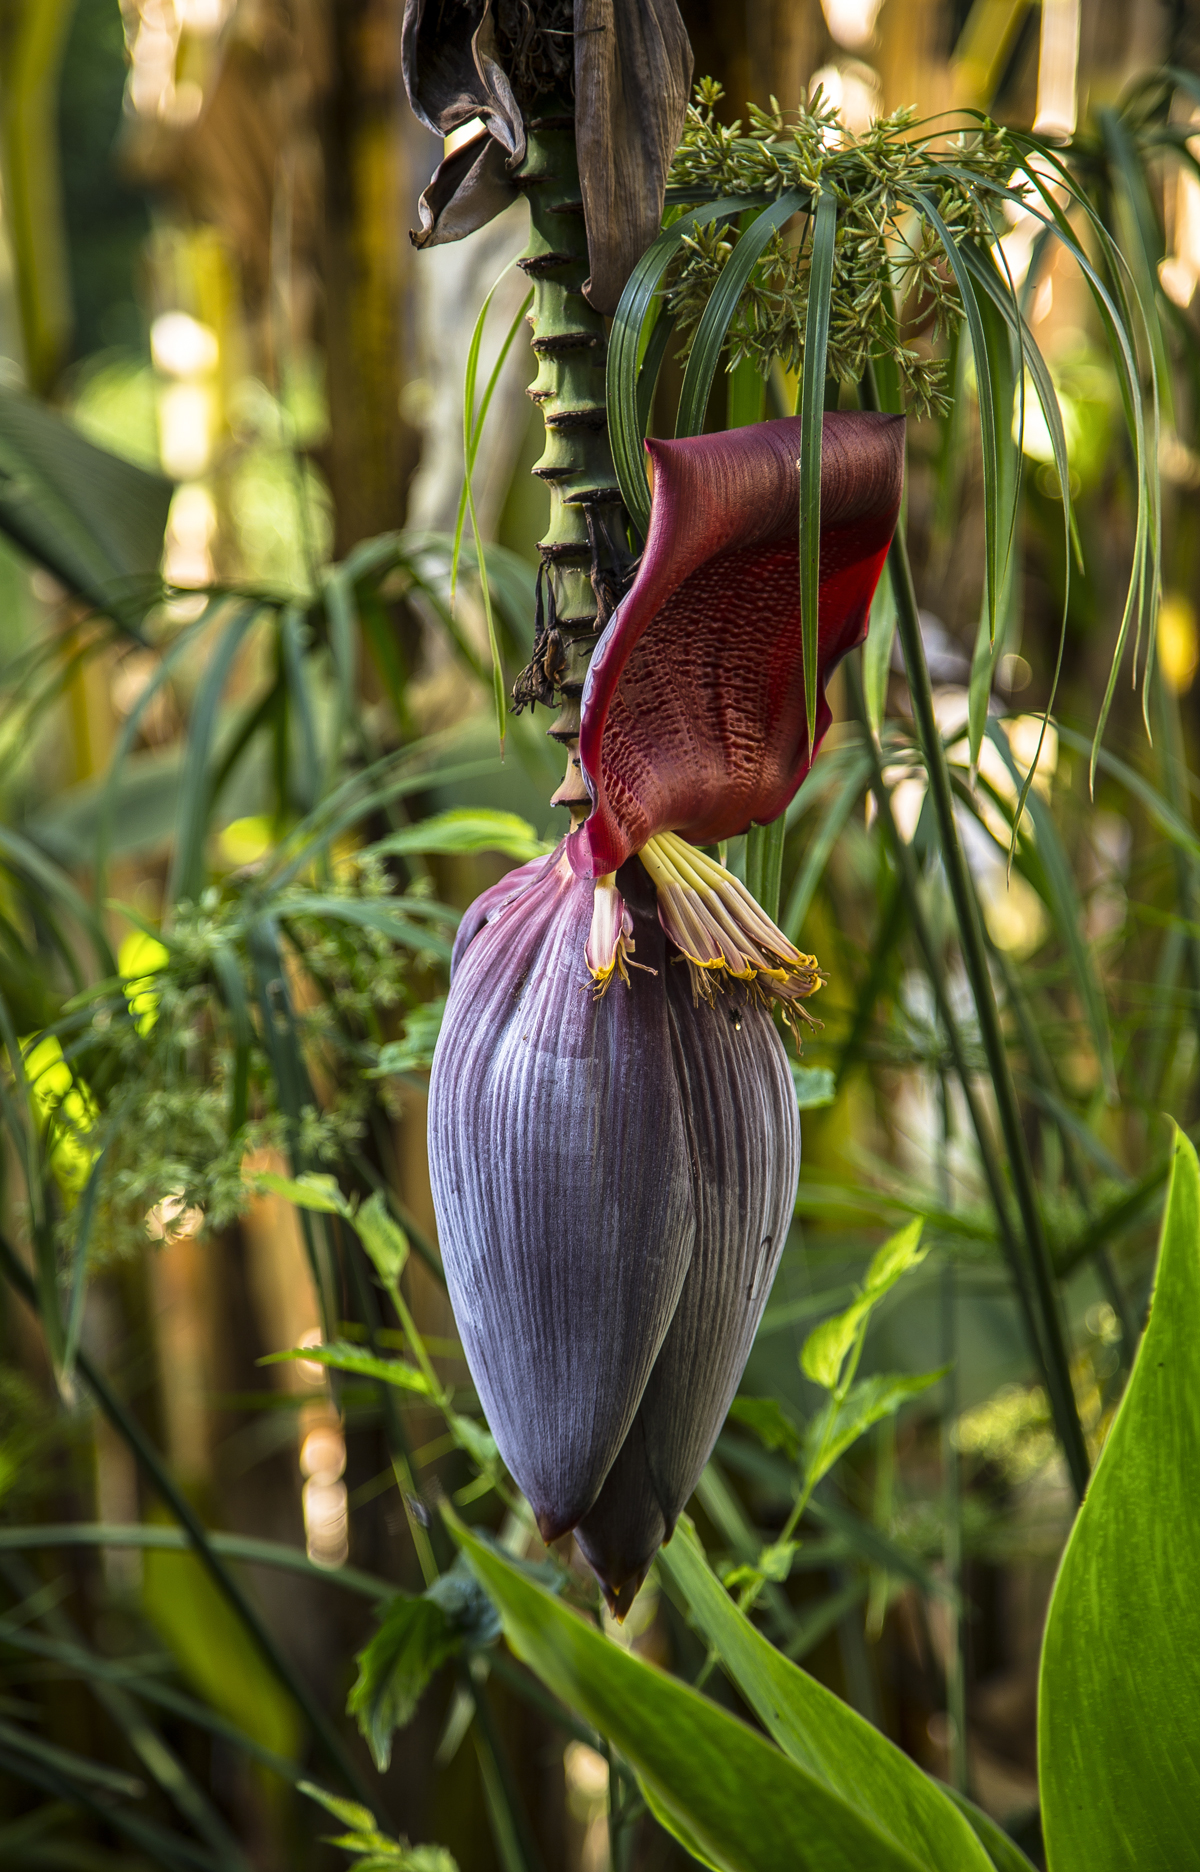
(613, 1133)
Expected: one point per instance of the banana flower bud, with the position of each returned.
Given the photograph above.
(613, 1134)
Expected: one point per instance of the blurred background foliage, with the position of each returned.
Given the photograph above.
(240, 809)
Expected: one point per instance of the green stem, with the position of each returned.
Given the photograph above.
(909, 884)
(127, 1427)
(974, 954)
(585, 550)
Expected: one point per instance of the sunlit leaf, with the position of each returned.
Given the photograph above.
(717, 1783)
(819, 1731)
(1119, 1696)
(841, 1421)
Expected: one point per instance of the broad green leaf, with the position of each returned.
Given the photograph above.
(383, 1239)
(1119, 1697)
(95, 520)
(815, 1086)
(822, 1734)
(739, 1803)
(769, 1422)
(842, 1421)
(342, 1356)
(468, 829)
(414, 1640)
(311, 1190)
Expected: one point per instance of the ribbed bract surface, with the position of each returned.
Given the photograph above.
(613, 1181)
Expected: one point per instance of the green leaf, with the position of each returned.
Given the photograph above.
(842, 1421)
(414, 1051)
(877, 651)
(468, 829)
(93, 519)
(414, 1640)
(775, 1562)
(342, 1356)
(311, 1190)
(812, 403)
(769, 1422)
(736, 1800)
(1119, 1697)
(626, 427)
(815, 1086)
(381, 1854)
(820, 1733)
(824, 1351)
(383, 1239)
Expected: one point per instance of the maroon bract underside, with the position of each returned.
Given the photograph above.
(693, 716)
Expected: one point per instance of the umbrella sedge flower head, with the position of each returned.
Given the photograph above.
(615, 1145)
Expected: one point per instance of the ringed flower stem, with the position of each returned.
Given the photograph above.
(1038, 1268)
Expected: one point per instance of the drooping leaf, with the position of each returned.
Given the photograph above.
(820, 1732)
(1119, 1695)
(467, 829)
(93, 519)
(734, 1798)
(394, 1669)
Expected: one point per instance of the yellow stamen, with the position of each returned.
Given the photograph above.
(714, 921)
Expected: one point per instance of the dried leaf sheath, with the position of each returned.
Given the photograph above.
(561, 1178)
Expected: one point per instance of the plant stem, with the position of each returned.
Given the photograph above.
(1038, 1266)
(127, 1426)
(585, 552)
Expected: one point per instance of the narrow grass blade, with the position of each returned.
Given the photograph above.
(187, 859)
(841, 804)
(626, 428)
(812, 399)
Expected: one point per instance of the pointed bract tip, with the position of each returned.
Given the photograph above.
(551, 1527)
(619, 1599)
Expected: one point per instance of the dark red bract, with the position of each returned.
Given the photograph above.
(693, 714)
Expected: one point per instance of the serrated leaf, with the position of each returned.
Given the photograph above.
(775, 1562)
(383, 1239)
(897, 1255)
(842, 1421)
(414, 1640)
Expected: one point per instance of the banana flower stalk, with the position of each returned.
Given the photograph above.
(613, 1132)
